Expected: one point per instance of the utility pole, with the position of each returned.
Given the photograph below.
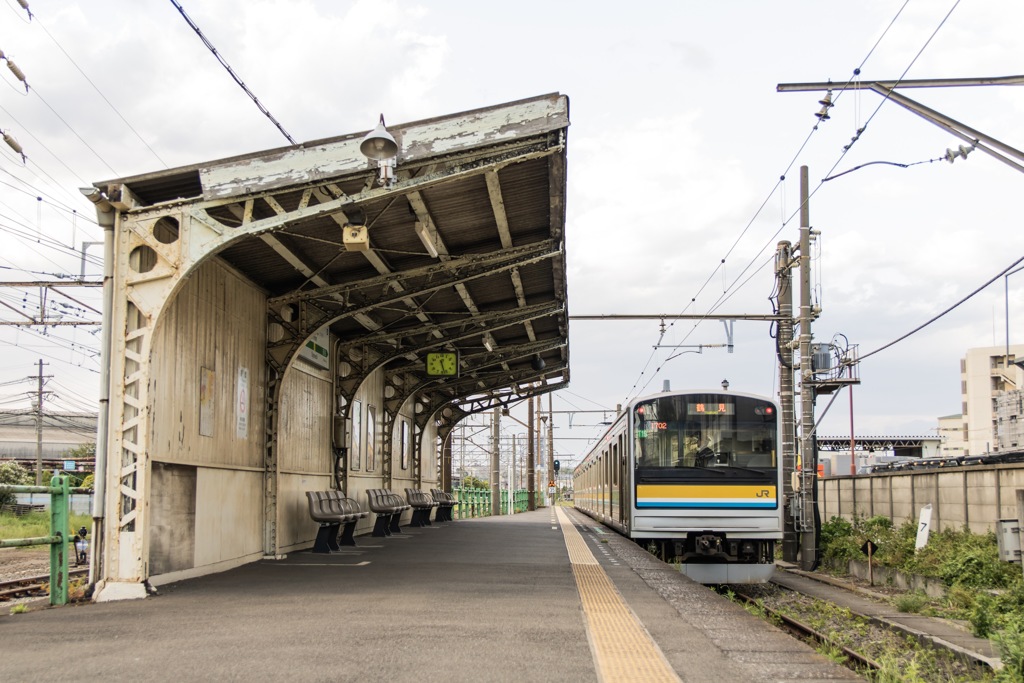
(808, 452)
(551, 447)
(531, 464)
(787, 399)
(39, 427)
(495, 463)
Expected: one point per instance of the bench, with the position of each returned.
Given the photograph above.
(422, 504)
(388, 507)
(332, 510)
(342, 505)
(445, 503)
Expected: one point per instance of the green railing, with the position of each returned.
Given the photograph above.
(59, 538)
(477, 502)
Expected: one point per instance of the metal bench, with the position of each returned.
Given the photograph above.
(330, 521)
(446, 502)
(341, 505)
(422, 505)
(388, 507)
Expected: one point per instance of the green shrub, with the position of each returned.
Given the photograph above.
(910, 603)
(983, 615)
(13, 474)
(1010, 644)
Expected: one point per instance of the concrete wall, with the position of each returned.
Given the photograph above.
(976, 497)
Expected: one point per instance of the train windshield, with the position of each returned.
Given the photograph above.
(705, 431)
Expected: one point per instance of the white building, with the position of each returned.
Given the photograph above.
(951, 432)
(986, 374)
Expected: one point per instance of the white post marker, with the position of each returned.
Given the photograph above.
(923, 527)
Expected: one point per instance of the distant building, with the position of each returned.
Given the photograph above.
(987, 378)
(61, 433)
(1010, 421)
(951, 431)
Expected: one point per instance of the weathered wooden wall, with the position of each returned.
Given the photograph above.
(207, 505)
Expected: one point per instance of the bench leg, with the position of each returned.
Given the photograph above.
(393, 526)
(348, 534)
(332, 537)
(442, 514)
(380, 527)
(322, 544)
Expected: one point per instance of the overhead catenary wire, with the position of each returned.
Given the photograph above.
(943, 313)
(99, 92)
(231, 71)
(860, 131)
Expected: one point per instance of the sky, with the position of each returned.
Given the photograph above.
(677, 148)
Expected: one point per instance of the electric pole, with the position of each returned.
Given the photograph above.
(551, 447)
(808, 452)
(531, 464)
(39, 427)
(495, 463)
(787, 399)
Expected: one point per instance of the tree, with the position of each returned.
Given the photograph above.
(12, 473)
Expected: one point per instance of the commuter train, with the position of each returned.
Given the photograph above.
(695, 477)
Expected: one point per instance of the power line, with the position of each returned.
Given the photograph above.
(100, 93)
(238, 80)
(926, 324)
(774, 189)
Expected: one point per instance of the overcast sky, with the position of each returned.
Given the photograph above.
(677, 144)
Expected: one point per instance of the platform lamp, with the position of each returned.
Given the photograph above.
(725, 385)
(380, 146)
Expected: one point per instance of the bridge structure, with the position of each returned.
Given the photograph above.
(306, 318)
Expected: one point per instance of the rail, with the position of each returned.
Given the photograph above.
(60, 497)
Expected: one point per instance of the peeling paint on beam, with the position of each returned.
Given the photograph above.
(417, 141)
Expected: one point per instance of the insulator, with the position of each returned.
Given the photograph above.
(13, 144)
(18, 73)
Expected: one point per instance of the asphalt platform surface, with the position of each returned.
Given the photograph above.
(492, 599)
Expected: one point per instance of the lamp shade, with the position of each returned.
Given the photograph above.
(378, 143)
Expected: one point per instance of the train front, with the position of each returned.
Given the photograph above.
(706, 483)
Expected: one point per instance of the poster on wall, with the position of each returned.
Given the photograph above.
(207, 380)
(242, 404)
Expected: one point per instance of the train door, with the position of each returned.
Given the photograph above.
(613, 464)
(623, 481)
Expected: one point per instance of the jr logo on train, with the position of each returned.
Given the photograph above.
(695, 478)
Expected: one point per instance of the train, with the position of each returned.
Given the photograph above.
(693, 476)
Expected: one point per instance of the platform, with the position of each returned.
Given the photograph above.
(540, 596)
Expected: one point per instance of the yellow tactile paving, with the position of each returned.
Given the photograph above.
(622, 648)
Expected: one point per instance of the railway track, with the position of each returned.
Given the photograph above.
(855, 660)
(31, 585)
(869, 642)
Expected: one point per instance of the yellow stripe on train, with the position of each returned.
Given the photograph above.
(697, 495)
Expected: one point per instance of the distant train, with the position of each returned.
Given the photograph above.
(695, 477)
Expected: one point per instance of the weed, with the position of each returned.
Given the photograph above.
(983, 615)
(19, 609)
(1010, 643)
(910, 603)
(832, 651)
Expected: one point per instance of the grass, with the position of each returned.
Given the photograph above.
(36, 524)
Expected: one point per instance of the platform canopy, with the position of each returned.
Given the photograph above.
(463, 251)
